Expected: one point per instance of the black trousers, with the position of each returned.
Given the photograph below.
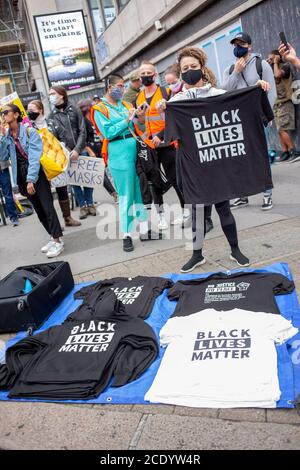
(167, 159)
(227, 223)
(42, 202)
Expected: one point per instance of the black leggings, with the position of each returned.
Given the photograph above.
(227, 222)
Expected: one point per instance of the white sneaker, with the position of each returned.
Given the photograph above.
(181, 219)
(162, 224)
(55, 250)
(47, 247)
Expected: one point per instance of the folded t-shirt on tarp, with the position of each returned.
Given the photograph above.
(77, 360)
(220, 291)
(221, 359)
(137, 294)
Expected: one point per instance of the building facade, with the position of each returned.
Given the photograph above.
(156, 30)
(122, 33)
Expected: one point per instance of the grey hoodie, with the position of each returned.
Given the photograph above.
(200, 92)
(235, 81)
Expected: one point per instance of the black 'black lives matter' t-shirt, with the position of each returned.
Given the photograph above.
(137, 294)
(77, 360)
(222, 151)
(246, 291)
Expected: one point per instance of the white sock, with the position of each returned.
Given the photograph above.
(144, 227)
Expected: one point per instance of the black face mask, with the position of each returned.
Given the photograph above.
(191, 77)
(240, 51)
(147, 80)
(32, 115)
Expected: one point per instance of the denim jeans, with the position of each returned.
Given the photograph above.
(84, 196)
(8, 194)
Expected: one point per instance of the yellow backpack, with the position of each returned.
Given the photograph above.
(54, 159)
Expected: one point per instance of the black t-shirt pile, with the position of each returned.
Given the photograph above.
(247, 291)
(137, 294)
(77, 360)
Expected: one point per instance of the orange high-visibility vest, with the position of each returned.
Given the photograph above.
(104, 110)
(154, 122)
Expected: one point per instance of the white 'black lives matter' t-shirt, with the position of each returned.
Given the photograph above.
(137, 294)
(222, 151)
(220, 291)
(220, 359)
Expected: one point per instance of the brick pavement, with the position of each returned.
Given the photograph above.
(69, 426)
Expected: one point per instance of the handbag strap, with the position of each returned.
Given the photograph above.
(137, 138)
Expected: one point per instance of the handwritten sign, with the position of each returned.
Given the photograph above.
(86, 171)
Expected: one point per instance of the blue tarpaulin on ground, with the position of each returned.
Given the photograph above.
(133, 393)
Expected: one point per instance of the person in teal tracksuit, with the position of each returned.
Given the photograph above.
(122, 154)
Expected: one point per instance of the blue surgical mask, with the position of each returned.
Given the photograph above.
(240, 51)
(52, 99)
(116, 93)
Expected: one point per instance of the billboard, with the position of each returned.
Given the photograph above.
(65, 48)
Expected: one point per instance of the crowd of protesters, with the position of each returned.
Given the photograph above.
(129, 120)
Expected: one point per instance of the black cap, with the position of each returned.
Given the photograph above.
(241, 37)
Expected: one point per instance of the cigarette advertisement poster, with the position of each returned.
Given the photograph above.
(65, 48)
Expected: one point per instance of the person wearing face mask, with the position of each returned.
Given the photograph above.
(172, 78)
(114, 118)
(66, 123)
(152, 133)
(25, 148)
(248, 69)
(84, 195)
(36, 114)
(200, 82)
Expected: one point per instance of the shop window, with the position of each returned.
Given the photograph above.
(109, 11)
(121, 4)
(219, 50)
(96, 17)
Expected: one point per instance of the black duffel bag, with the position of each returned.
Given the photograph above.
(50, 284)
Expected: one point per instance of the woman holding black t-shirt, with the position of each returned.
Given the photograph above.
(199, 82)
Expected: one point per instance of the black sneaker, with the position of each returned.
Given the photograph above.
(294, 156)
(193, 263)
(239, 258)
(127, 244)
(208, 225)
(267, 203)
(284, 157)
(150, 235)
(239, 202)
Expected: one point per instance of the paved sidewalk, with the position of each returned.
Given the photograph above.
(69, 426)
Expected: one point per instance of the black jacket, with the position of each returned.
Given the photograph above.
(68, 127)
